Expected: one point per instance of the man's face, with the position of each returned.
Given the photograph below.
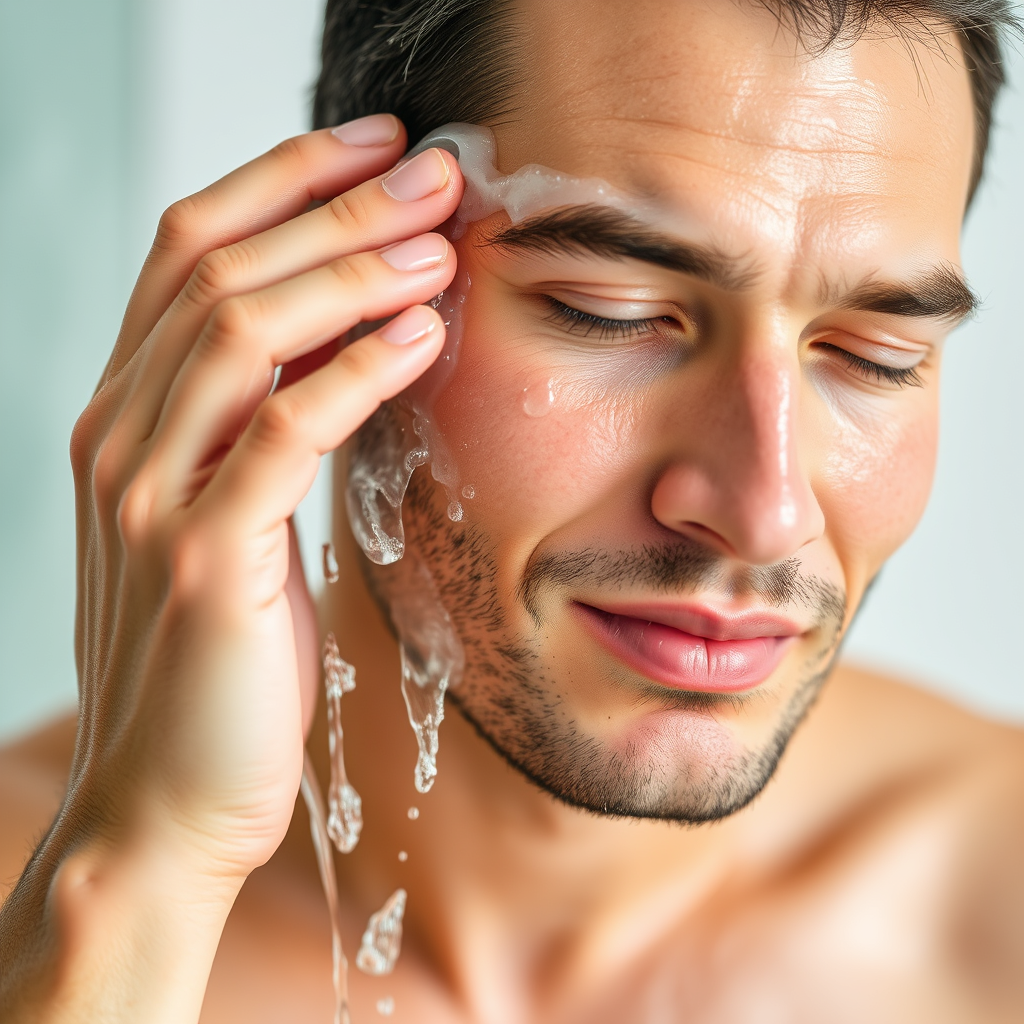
(688, 463)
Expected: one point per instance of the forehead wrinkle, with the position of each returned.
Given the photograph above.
(858, 147)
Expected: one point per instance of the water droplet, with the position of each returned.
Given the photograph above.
(469, 491)
(403, 856)
(330, 564)
(382, 940)
(455, 512)
(338, 674)
(386, 1006)
(539, 398)
(414, 813)
(344, 806)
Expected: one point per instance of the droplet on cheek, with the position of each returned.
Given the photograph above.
(455, 512)
(539, 398)
(469, 491)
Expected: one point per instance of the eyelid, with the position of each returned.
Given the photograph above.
(617, 308)
(897, 353)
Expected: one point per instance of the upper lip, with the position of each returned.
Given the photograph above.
(703, 621)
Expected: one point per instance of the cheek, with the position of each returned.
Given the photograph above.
(875, 485)
(535, 447)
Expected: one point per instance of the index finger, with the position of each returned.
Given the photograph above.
(265, 192)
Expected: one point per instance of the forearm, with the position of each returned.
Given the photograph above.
(111, 933)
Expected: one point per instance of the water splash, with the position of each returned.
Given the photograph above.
(325, 864)
(386, 1006)
(432, 660)
(382, 940)
(344, 806)
(400, 437)
(413, 813)
(330, 564)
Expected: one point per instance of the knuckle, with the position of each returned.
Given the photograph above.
(178, 224)
(280, 419)
(220, 272)
(107, 476)
(289, 151)
(353, 274)
(351, 212)
(231, 324)
(135, 511)
(85, 437)
(359, 361)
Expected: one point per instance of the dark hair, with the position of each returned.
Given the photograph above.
(435, 61)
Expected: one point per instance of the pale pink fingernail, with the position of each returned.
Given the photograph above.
(420, 177)
(419, 253)
(375, 130)
(413, 324)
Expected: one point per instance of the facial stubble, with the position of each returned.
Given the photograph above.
(511, 698)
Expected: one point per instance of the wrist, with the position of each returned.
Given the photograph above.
(114, 931)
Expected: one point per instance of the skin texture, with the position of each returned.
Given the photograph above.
(877, 875)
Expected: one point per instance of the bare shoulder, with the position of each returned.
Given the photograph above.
(949, 784)
(33, 774)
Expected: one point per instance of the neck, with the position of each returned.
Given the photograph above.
(502, 877)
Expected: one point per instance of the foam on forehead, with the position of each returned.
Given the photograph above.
(525, 192)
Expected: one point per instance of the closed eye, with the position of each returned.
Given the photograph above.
(579, 322)
(901, 376)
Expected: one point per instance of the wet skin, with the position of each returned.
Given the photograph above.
(877, 876)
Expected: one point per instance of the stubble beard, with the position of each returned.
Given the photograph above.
(510, 697)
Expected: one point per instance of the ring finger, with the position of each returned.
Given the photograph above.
(228, 372)
(374, 214)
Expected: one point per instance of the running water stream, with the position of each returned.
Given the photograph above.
(325, 862)
(344, 806)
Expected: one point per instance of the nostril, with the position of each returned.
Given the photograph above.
(705, 535)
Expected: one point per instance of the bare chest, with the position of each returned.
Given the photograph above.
(812, 950)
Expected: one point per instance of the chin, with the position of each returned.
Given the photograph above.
(675, 764)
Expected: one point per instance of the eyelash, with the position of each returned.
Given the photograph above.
(905, 376)
(577, 321)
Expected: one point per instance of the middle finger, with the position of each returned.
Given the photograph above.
(228, 372)
(417, 196)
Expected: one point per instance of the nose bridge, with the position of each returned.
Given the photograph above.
(740, 478)
(771, 510)
(767, 446)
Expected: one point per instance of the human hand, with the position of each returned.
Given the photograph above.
(195, 636)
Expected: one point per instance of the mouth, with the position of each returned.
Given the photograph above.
(691, 648)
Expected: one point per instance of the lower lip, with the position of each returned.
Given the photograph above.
(684, 661)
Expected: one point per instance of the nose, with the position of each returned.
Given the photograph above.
(734, 480)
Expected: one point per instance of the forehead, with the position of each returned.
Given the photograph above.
(721, 113)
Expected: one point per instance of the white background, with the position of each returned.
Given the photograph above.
(112, 109)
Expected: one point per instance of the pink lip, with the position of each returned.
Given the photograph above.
(692, 648)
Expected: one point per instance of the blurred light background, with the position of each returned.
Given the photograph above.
(111, 109)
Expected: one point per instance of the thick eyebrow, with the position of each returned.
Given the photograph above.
(605, 231)
(941, 294)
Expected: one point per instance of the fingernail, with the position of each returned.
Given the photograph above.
(375, 130)
(410, 326)
(420, 177)
(419, 253)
